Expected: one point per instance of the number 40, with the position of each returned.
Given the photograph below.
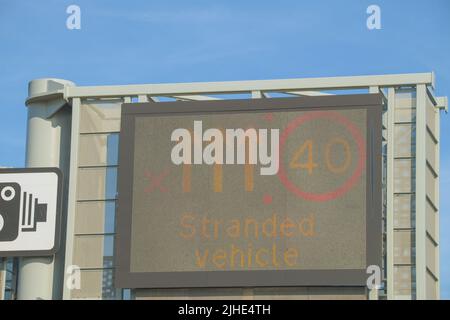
(310, 165)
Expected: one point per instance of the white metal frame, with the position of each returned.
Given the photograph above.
(390, 194)
(230, 87)
(72, 197)
(420, 191)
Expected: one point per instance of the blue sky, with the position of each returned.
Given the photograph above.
(153, 41)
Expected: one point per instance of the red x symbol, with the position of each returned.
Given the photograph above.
(155, 181)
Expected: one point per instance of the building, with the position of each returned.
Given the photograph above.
(77, 129)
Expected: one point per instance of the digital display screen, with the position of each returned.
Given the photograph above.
(262, 192)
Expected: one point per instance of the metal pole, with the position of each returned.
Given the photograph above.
(373, 293)
(45, 131)
(390, 195)
(72, 192)
(421, 165)
(438, 146)
(2, 278)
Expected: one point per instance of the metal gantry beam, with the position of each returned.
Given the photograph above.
(201, 88)
(194, 97)
(309, 93)
(283, 85)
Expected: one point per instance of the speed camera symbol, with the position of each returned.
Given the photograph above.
(20, 211)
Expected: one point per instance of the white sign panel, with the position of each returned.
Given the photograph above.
(30, 211)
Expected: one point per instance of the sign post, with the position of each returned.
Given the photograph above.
(2, 278)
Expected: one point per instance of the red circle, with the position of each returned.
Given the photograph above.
(354, 131)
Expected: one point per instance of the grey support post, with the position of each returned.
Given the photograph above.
(48, 145)
(2, 278)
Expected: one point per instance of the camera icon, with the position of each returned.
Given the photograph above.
(19, 211)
